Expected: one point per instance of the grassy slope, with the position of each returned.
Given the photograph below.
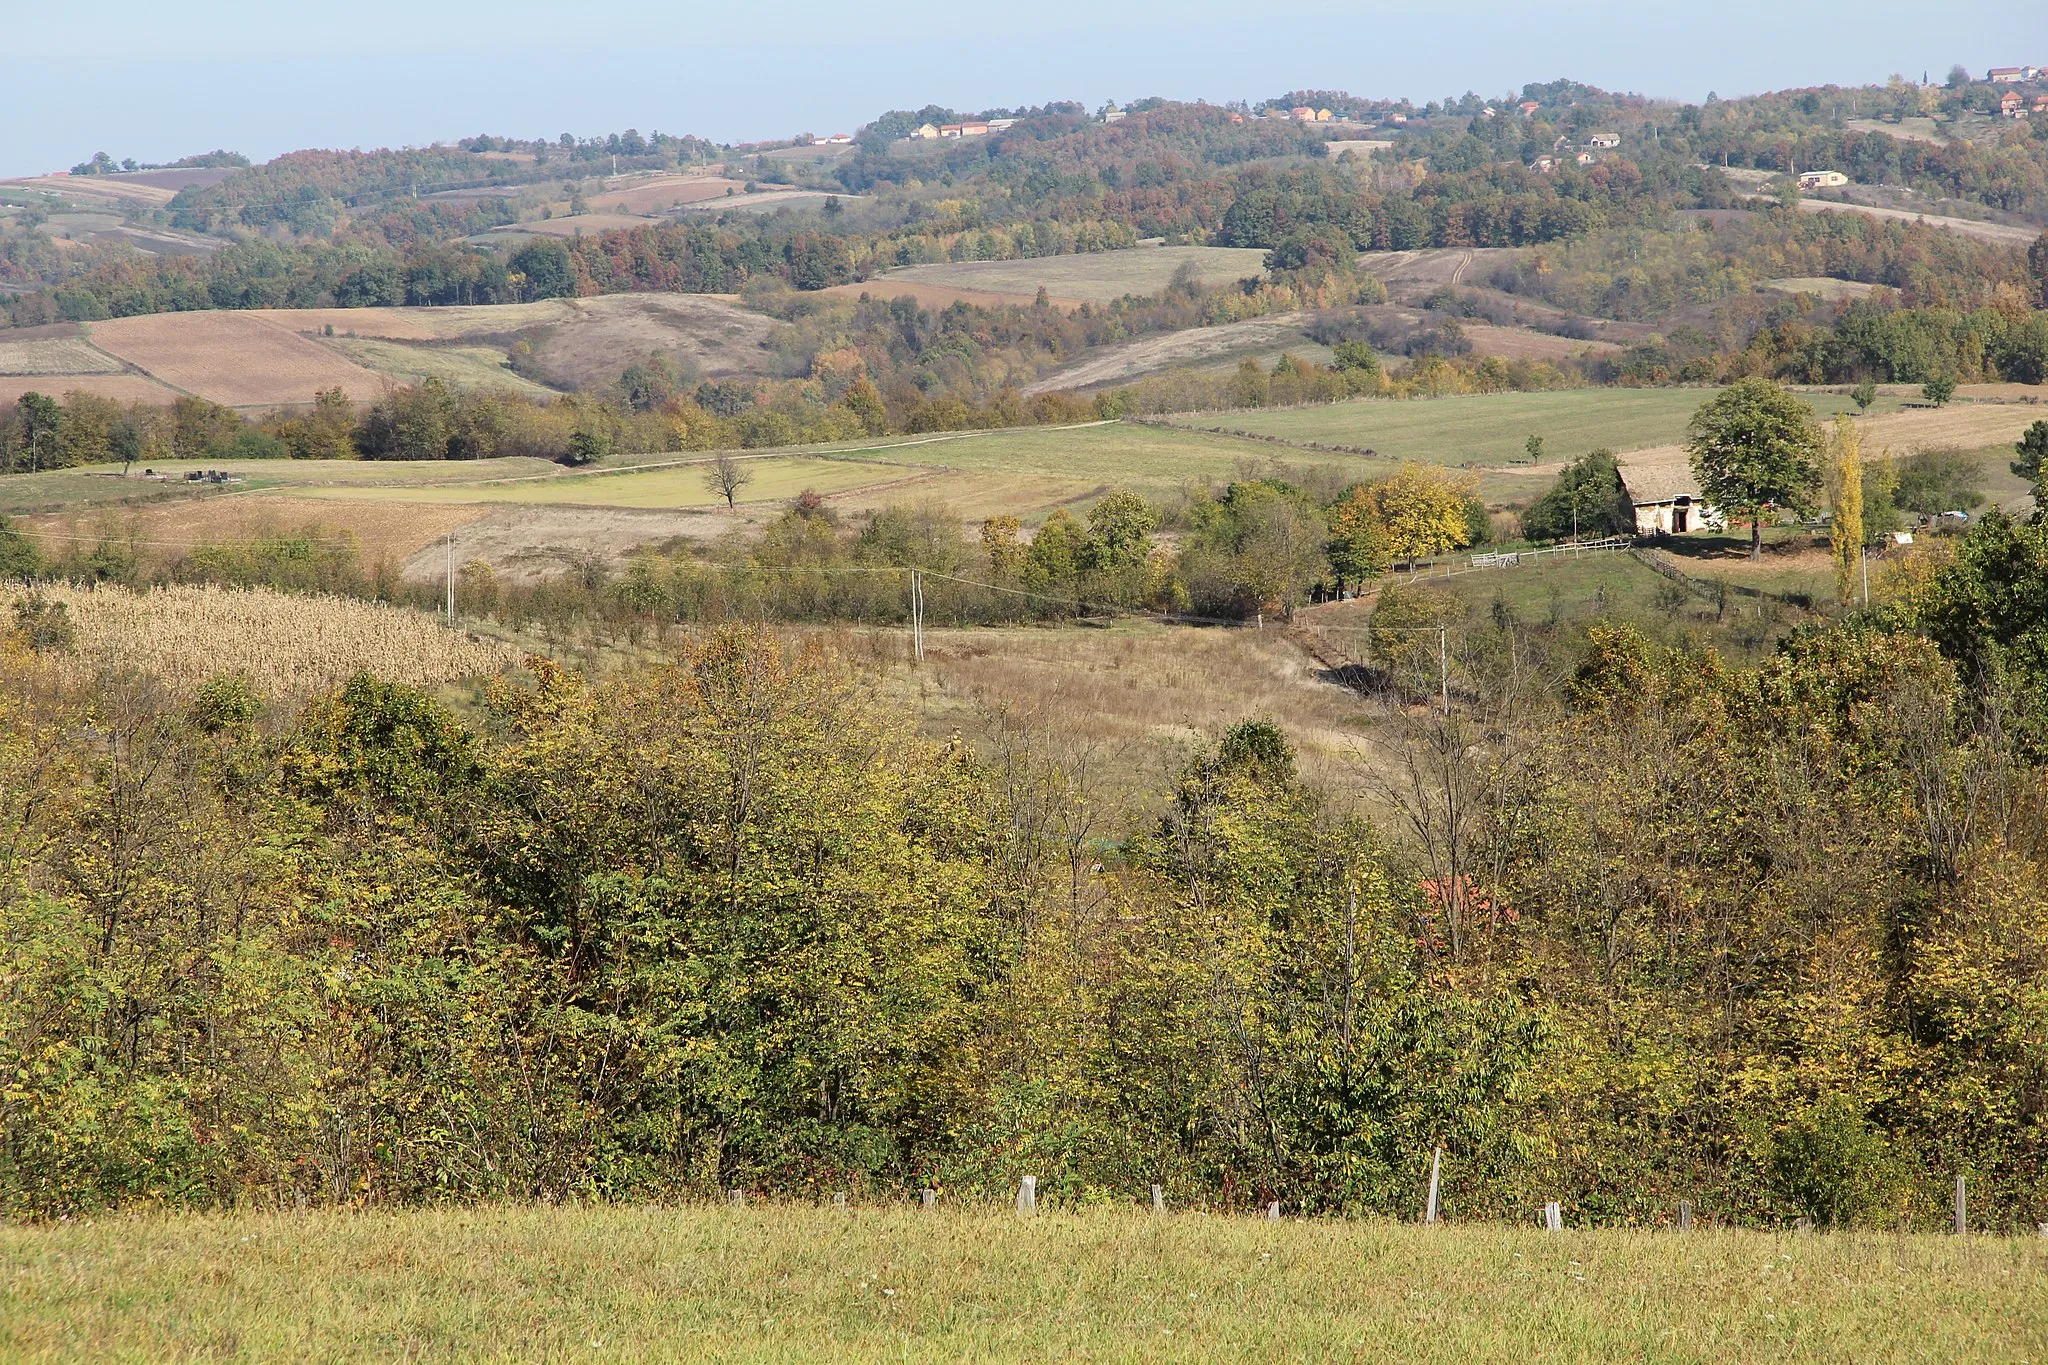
(469, 367)
(1491, 428)
(775, 478)
(797, 1283)
(1116, 453)
(1101, 275)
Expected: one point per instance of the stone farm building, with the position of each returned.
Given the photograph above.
(1665, 493)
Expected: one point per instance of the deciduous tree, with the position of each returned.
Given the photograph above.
(1756, 449)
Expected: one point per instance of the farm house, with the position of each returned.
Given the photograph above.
(1666, 495)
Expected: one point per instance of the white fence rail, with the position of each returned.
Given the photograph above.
(1514, 558)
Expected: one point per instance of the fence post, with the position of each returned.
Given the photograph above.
(1273, 1212)
(931, 1199)
(1553, 1217)
(1962, 1207)
(736, 1197)
(1436, 1165)
(1685, 1215)
(1158, 1200)
(1027, 1195)
(839, 1200)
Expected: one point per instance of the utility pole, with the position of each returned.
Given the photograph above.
(917, 614)
(448, 541)
(1866, 578)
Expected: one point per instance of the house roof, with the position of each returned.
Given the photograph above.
(1658, 475)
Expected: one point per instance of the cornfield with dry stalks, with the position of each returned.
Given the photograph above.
(290, 645)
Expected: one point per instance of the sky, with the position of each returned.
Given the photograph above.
(159, 79)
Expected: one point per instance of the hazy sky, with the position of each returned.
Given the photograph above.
(158, 79)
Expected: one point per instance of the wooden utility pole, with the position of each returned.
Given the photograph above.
(917, 614)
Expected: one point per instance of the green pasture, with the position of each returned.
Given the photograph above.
(774, 478)
(802, 1282)
(1112, 453)
(1492, 429)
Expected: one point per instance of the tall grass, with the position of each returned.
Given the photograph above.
(805, 1283)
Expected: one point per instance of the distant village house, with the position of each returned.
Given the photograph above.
(1604, 141)
(1821, 180)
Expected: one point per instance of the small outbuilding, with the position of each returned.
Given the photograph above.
(1666, 495)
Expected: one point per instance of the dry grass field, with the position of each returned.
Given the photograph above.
(767, 199)
(1906, 129)
(1141, 696)
(96, 189)
(1197, 347)
(424, 324)
(1264, 339)
(575, 225)
(1100, 276)
(1490, 429)
(122, 388)
(384, 531)
(801, 1283)
(235, 358)
(55, 356)
(938, 296)
(468, 367)
(681, 484)
(1821, 287)
(1410, 275)
(662, 192)
(289, 645)
(607, 334)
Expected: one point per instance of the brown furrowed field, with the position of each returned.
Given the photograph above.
(662, 192)
(122, 388)
(791, 1282)
(235, 358)
(288, 645)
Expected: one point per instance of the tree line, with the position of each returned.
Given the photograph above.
(1623, 924)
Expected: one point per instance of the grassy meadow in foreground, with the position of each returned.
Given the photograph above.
(804, 1283)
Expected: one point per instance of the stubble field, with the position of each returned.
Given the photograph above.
(234, 358)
